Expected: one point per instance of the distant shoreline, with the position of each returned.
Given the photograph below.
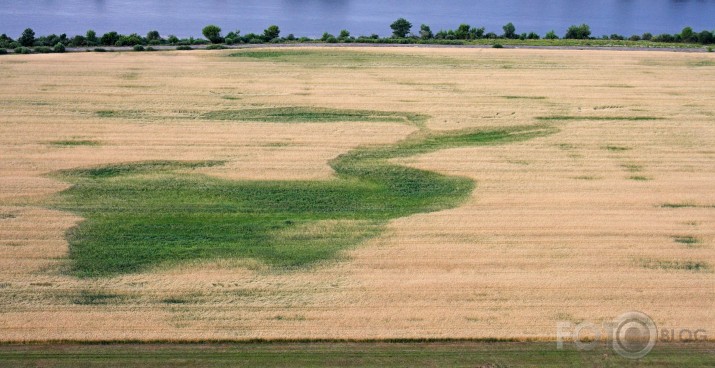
(387, 45)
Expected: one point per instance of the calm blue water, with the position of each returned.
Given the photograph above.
(313, 17)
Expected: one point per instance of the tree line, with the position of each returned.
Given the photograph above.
(401, 33)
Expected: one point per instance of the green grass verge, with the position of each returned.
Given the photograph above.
(139, 215)
(598, 118)
(73, 143)
(339, 354)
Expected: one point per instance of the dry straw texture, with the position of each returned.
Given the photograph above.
(606, 216)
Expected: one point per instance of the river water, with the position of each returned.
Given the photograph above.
(313, 17)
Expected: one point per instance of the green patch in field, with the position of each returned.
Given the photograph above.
(632, 167)
(524, 97)
(328, 57)
(125, 114)
(140, 215)
(700, 63)
(586, 177)
(679, 205)
(86, 297)
(616, 148)
(230, 98)
(312, 115)
(686, 239)
(639, 178)
(73, 143)
(174, 300)
(693, 266)
(7, 216)
(597, 118)
(608, 107)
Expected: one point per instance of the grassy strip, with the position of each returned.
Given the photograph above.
(373, 354)
(599, 118)
(73, 143)
(139, 215)
(311, 114)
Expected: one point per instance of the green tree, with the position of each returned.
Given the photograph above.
(581, 32)
(462, 32)
(400, 28)
(59, 48)
(27, 38)
(509, 30)
(272, 32)
(687, 35)
(173, 39)
(153, 36)
(91, 38)
(344, 34)
(426, 32)
(212, 33)
(109, 38)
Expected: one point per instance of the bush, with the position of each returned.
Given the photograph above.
(138, 48)
(616, 37)
(331, 39)
(150, 49)
(551, 35)
(184, 47)
(634, 38)
(99, 49)
(43, 50)
(710, 49)
(173, 39)
(215, 47)
(581, 32)
(497, 46)
(22, 50)
(3, 51)
(59, 48)
(646, 36)
(426, 32)
(212, 33)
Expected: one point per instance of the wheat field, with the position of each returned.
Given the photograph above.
(613, 212)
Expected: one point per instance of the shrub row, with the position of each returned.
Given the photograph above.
(401, 33)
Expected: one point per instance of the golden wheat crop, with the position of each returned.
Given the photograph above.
(581, 225)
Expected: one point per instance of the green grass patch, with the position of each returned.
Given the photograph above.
(140, 215)
(639, 178)
(6, 216)
(597, 118)
(679, 205)
(312, 115)
(632, 167)
(73, 143)
(693, 266)
(686, 239)
(616, 148)
(427, 353)
(524, 97)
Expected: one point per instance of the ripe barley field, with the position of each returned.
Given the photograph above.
(354, 193)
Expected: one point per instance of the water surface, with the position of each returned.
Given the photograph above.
(313, 17)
